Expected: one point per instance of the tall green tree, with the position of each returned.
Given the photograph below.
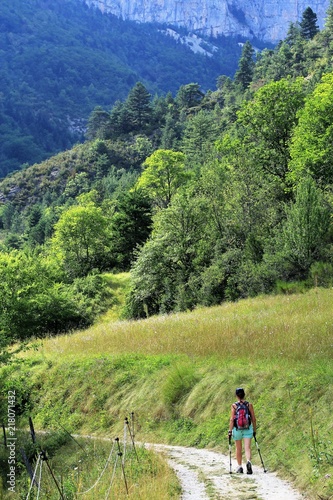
(266, 124)
(200, 133)
(329, 19)
(163, 273)
(309, 24)
(33, 301)
(244, 74)
(130, 226)
(306, 230)
(139, 108)
(82, 239)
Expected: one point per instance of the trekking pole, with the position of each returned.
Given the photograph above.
(262, 462)
(230, 471)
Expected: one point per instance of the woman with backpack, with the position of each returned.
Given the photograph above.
(242, 426)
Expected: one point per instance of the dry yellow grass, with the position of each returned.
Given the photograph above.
(295, 327)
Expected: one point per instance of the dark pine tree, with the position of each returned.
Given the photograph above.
(308, 24)
(139, 107)
(244, 74)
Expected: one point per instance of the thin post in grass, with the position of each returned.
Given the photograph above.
(28, 466)
(132, 437)
(45, 459)
(32, 431)
(122, 464)
(125, 441)
(132, 422)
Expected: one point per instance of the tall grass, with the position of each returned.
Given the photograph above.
(293, 327)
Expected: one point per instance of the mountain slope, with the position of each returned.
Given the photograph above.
(265, 20)
(58, 60)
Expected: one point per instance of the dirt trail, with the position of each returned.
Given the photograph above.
(205, 475)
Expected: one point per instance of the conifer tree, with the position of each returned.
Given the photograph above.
(329, 18)
(244, 74)
(139, 107)
(308, 24)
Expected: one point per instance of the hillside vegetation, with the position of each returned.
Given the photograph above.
(178, 374)
(61, 59)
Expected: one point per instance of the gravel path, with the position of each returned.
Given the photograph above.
(205, 475)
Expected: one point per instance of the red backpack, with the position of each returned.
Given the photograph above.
(242, 417)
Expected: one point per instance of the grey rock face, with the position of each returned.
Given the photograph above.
(265, 19)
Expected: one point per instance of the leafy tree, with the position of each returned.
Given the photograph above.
(82, 238)
(163, 276)
(312, 143)
(308, 24)
(305, 232)
(119, 120)
(28, 296)
(244, 74)
(164, 173)
(268, 122)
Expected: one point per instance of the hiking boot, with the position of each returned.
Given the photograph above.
(239, 470)
(249, 467)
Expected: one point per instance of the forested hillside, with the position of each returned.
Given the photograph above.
(204, 196)
(58, 60)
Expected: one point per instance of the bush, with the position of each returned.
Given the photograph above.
(321, 273)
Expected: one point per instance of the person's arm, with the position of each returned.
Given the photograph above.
(253, 417)
(232, 418)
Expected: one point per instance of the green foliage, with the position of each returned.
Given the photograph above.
(305, 230)
(321, 274)
(138, 107)
(164, 275)
(164, 173)
(35, 302)
(268, 121)
(82, 237)
(130, 226)
(311, 148)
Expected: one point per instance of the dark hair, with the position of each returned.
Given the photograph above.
(240, 392)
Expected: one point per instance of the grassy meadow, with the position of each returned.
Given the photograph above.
(178, 374)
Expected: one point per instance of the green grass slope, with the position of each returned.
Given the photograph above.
(178, 374)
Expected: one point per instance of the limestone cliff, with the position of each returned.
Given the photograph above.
(265, 19)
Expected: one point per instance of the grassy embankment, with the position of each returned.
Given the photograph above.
(178, 374)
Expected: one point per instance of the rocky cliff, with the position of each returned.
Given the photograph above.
(267, 20)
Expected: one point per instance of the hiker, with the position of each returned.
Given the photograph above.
(242, 426)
